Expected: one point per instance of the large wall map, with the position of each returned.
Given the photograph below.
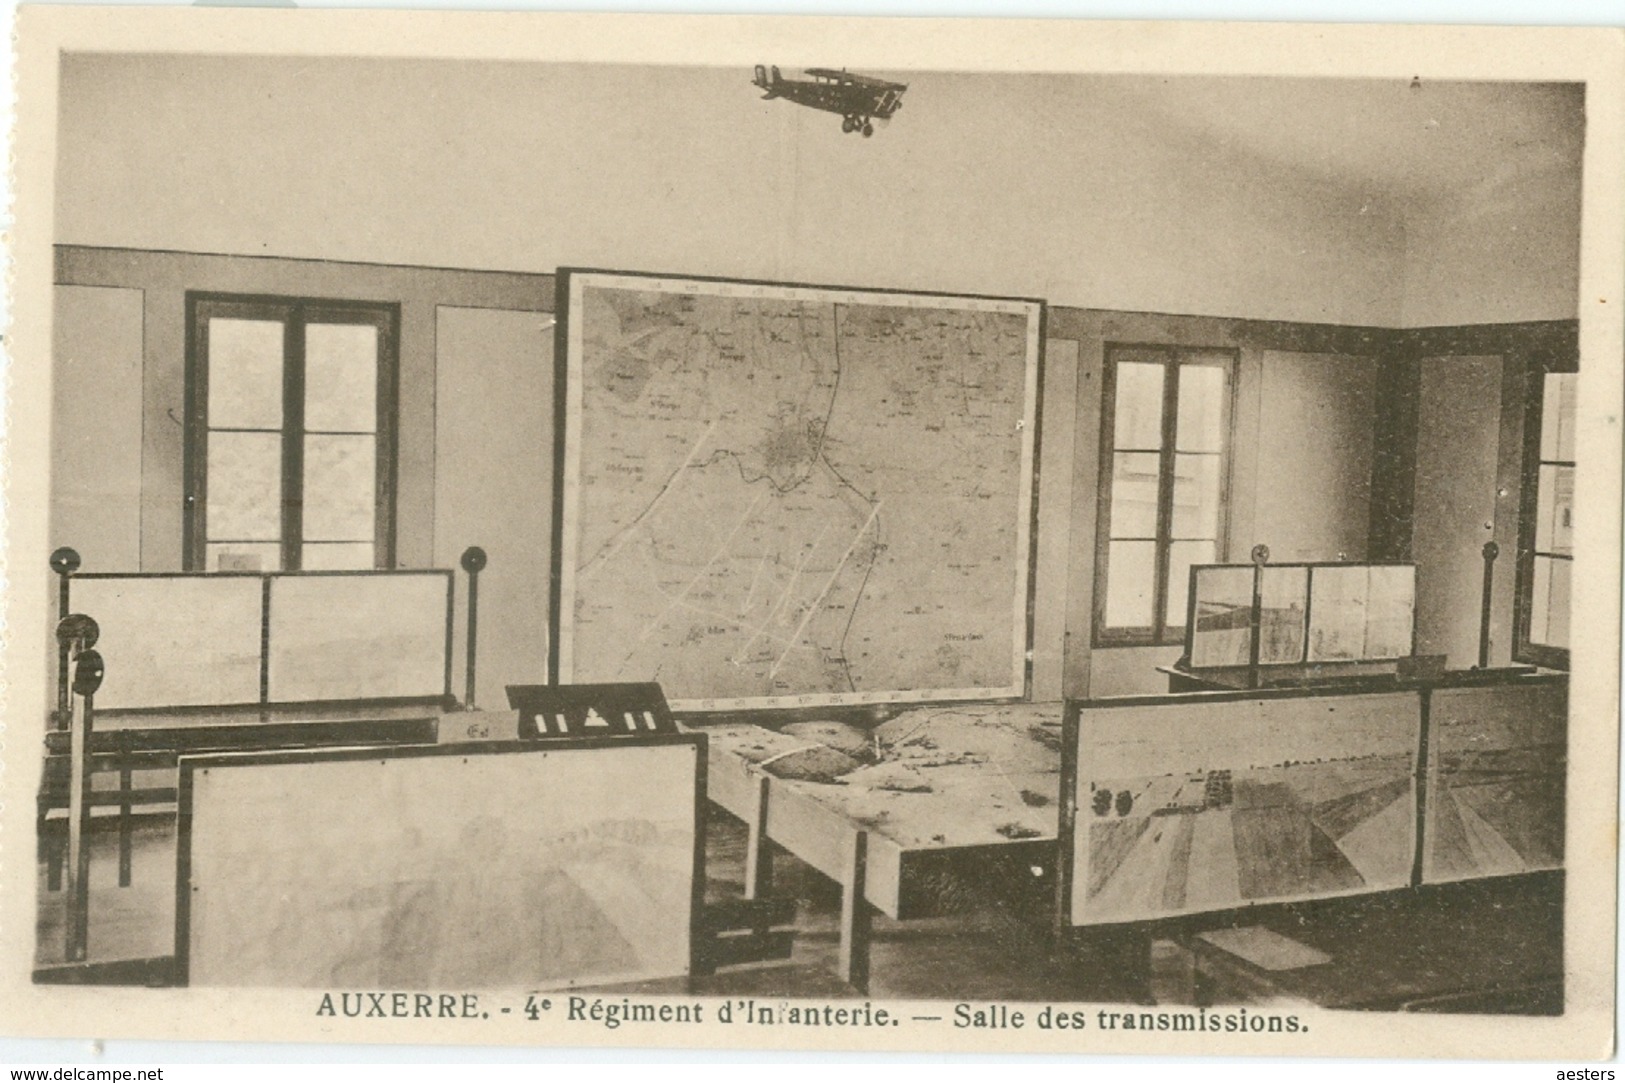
(788, 496)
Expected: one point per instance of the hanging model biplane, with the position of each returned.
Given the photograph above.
(857, 98)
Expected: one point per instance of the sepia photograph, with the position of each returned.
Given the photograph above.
(802, 533)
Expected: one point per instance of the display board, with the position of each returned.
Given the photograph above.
(1496, 771)
(174, 640)
(1306, 613)
(1220, 628)
(220, 639)
(790, 496)
(368, 635)
(494, 866)
(1217, 800)
(1361, 613)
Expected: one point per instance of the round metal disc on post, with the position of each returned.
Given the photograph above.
(78, 627)
(65, 561)
(88, 673)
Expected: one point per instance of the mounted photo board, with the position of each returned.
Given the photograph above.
(174, 640)
(1361, 612)
(220, 639)
(552, 872)
(372, 635)
(1497, 774)
(1283, 609)
(1332, 612)
(1213, 801)
(791, 496)
(1220, 627)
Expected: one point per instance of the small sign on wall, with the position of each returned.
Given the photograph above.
(590, 710)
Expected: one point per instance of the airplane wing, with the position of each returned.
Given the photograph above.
(855, 80)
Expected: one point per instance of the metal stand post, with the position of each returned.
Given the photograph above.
(473, 564)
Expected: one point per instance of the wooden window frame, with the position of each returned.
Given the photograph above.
(294, 313)
(1523, 649)
(1160, 632)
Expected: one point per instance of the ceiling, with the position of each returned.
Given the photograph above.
(1401, 139)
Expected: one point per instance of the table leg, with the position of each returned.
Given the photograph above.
(77, 921)
(125, 827)
(52, 847)
(856, 916)
(758, 859)
(1120, 955)
(1173, 973)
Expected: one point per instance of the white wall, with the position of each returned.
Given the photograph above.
(1459, 423)
(1062, 187)
(493, 485)
(96, 401)
(1314, 454)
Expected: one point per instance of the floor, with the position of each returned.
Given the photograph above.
(126, 923)
(1489, 946)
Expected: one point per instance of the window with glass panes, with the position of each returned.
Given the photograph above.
(1546, 534)
(291, 416)
(1165, 442)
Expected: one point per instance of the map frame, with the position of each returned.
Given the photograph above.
(569, 375)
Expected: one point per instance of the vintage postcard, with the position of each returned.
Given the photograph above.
(813, 534)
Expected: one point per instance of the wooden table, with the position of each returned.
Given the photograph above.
(152, 741)
(1367, 676)
(953, 784)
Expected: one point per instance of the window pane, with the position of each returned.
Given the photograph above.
(1134, 494)
(1196, 496)
(1283, 595)
(340, 556)
(244, 557)
(341, 377)
(1554, 527)
(1138, 417)
(245, 374)
(1557, 416)
(245, 486)
(340, 488)
(1131, 577)
(1549, 612)
(1201, 408)
(1181, 555)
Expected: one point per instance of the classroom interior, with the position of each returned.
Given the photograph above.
(1374, 284)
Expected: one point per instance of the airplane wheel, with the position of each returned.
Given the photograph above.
(868, 129)
(848, 124)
